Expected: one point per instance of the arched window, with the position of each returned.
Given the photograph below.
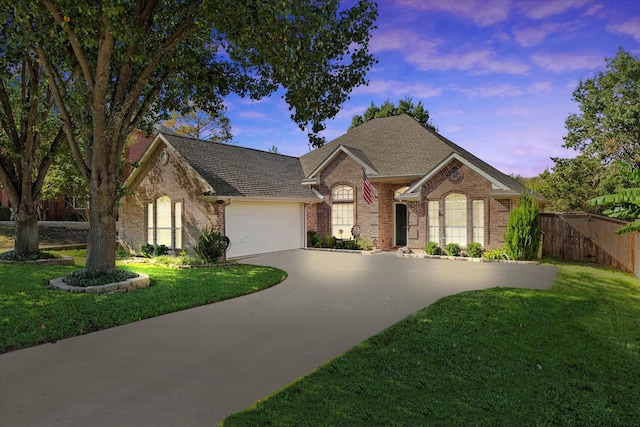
(342, 203)
(164, 223)
(455, 219)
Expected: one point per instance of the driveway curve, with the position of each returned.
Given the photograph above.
(196, 367)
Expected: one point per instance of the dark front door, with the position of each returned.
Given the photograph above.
(401, 225)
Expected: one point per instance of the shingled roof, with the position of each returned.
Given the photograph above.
(243, 172)
(400, 146)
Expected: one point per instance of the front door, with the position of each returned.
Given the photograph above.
(401, 225)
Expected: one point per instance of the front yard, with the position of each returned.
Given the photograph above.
(32, 314)
(568, 356)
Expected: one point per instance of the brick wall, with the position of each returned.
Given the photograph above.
(177, 181)
(377, 221)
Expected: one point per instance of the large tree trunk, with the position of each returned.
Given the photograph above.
(101, 240)
(26, 228)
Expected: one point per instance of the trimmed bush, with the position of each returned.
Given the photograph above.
(522, 236)
(211, 246)
(474, 250)
(452, 249)
(498, 253)
(432, 248)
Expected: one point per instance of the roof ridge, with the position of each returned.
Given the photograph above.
(222, 144)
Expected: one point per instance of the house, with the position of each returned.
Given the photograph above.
(425, 187)
(185, 185)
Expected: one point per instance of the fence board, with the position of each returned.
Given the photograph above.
(589, 238)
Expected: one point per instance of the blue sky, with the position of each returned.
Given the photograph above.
(497, 76)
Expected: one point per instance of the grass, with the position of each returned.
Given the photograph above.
(568, 356)
(32, 314)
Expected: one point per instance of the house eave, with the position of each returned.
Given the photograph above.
(241, 199)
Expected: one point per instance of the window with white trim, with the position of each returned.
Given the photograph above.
(455, 219)
(342, 204)
(434, 221)
(478, 221)
(164, 223)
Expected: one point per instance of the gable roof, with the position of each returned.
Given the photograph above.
(400, 146)
(238, 172)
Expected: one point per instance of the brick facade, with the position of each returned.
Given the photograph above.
(176, 181)
(377, 221)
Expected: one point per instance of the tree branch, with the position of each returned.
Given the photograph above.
(77, 50)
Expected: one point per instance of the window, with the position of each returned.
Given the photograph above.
(455, 219)
(434, 221)
(478, 221)
(342, 211)
(164, 223)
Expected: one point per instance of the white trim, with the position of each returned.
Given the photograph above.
(341, 148)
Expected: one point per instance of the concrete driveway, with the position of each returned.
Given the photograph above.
(196, 367)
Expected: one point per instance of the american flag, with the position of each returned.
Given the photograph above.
(367, 189)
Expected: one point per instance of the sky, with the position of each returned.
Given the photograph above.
(497, 76)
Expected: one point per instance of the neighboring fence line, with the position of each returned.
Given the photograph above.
(590, 238)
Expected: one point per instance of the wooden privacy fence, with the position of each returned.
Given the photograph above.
(589, 238)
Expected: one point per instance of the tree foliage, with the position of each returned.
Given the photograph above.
(608, 125)
(625, 201)
(387, 109)
(201, 125)
(572, 182)
(127, 63)
(522, 236)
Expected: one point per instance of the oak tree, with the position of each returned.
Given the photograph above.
(131, 61)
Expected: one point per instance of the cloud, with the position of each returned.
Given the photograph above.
(398, 88)
(534, 35)
(567, 62)
(629, 28)
(490, 91)
(540, 9)
(593, 10)
(253, 115)
(477, 61)
(540, 87)
(397, 40)
(481, 12)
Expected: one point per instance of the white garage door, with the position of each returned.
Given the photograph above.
(260, 227)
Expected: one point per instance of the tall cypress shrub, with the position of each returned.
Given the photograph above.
(522, 237)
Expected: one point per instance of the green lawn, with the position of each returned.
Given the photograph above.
(569, 356)
(32, 314)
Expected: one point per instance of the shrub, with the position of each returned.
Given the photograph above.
(522, 236)
(329, 241)
(452, 249)
(474, 250)
(211, 246)
(5, 213)
(432, 248)
(313, 240)
(364, 244)
(14, 255)
(498, 253)
(150, 251)
(84, 278)
(351, 245)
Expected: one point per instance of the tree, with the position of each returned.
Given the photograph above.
(608, 125)
(522, 236)
(29, 139)
(131, 62)
(571, 182)
(387, 109)
(626, 201)
(201, 125)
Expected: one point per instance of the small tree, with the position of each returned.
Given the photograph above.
(522, 237)
(626, 201)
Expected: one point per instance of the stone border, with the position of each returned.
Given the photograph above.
(462, 258)
(140, 282)
(345, 251)
(64, 260)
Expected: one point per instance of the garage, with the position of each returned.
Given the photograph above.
(261, 227)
